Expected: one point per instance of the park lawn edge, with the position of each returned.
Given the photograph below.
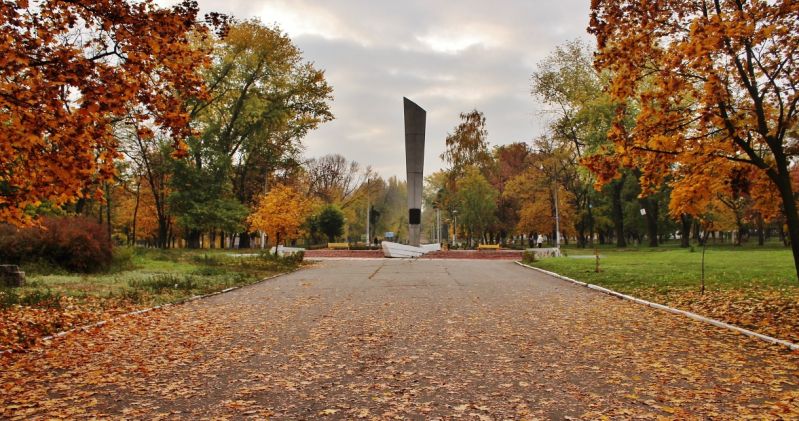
(775, 341)
(100, 323)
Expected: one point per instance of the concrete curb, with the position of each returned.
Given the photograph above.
(790, 345)
(147, 310)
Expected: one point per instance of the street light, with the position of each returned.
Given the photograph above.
(557, 220)
(454, 227)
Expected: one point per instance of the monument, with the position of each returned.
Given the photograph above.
(415, 119)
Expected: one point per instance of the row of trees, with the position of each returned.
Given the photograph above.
(166, 127)
(496, 194)
(684, 119)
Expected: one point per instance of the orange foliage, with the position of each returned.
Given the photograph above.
(712, 87)
(68, 70)
(281, 213)
(146, 217)
(535, 193)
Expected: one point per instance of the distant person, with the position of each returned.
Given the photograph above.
(539, 241)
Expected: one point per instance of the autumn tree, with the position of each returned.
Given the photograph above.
(716, 84)
(68, 69)
(280, 213)
(508, 161)
(539, 188)
(468, 144)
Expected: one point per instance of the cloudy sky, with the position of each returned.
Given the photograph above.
(448, 57)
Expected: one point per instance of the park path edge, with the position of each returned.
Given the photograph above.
(790, 345)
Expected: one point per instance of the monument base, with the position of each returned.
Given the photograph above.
(404, 251)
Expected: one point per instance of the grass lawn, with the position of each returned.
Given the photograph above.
(669, 267)
(753, 287)
(151, 276)
(53, 300)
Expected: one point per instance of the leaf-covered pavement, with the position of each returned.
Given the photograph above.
(399, 339)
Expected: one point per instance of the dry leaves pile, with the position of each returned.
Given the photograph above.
(376, 340)
(773, 312)
(22, 326)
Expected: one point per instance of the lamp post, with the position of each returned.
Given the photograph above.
(557, 220)
(368, 216)
(454, 227)
(437, 207)
(438, 225)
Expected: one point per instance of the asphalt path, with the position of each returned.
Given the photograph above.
(400, 339)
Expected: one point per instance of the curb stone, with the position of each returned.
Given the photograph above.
(790, 345)
(147, 310)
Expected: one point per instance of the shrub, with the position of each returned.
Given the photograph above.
(122, 259)
(528, 257)
(295, 258)
(39, 298)
(74, 243)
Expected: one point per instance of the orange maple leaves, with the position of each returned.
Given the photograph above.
(706, 90)
(69, 71)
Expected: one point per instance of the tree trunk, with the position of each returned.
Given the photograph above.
(651, 217)
(761, 235)
(783, 181)
(244, 240)
(162, 241)
(194, 239)
(739, 227)
(783, 238)
(685, 231)
(136, 211)
(618, 213)
(108, 210)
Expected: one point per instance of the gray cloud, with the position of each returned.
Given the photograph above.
(449, 57)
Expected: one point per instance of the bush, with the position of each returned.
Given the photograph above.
(528, 257)
(74, 243)
(286, 260)
(40, 298)
(122, 259)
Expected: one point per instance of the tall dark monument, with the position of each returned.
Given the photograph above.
(415, 118)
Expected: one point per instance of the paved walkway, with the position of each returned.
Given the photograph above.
(404, 339)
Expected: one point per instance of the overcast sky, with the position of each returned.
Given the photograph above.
(448, 57)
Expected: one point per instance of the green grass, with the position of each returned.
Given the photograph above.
(670, 267)
(149, 276)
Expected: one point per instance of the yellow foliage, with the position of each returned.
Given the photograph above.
(280, 213)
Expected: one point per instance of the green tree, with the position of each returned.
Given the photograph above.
(477, 203)
(263, 99)
(202, 200)
(567, 82)
(331, 222)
